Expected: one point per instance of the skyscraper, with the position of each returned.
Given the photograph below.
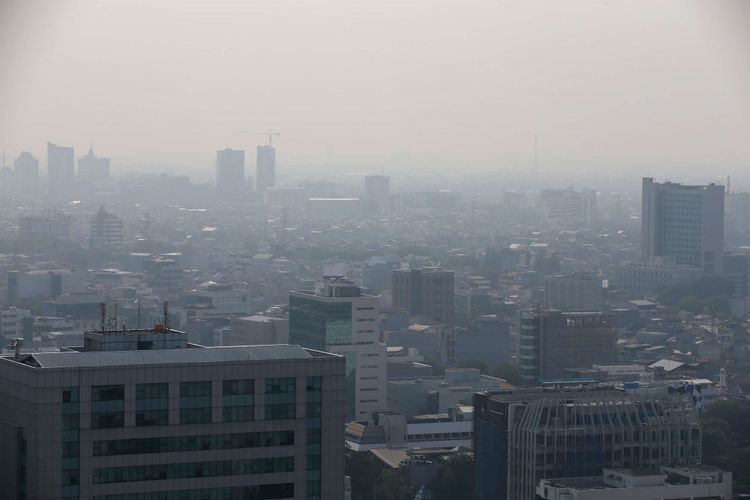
(142, 414)
(26, 169)
(265, 176)
(230, 170)
(427, 292)
(377, 193)
(93, 167)
(60, 167)
(523, 436)
(340, 319)
(683, 222)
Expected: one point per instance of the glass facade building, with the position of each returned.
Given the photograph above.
(339, 318)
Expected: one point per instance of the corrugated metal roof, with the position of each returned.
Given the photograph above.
(169, 356)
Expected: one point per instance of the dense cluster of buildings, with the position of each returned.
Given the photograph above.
(232, 339)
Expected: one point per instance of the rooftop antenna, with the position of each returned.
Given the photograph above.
(139, 314)
(103, 309)
(115, 329)
(166, 316)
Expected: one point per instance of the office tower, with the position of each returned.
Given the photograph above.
(425, 292)
(265, 175)
(573, 292)
(60, 168)
(524, 436)
(143, 414)
(339, 318)
(737, 213)
(26, 169)
(684, 222)
(41, 233)
(106, 230)
(92, 167)
(567, 207)
(553, 342)
(377, 194)
(230, 170)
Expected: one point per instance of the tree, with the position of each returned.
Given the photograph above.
(455, 479)
(726, 438)
(372, 480)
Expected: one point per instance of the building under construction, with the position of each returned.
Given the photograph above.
(523, 436)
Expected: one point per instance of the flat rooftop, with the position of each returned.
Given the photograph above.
(94, 359)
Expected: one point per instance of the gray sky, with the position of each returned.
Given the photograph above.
(359, 86)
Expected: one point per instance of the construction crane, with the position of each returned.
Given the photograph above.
(270, 133)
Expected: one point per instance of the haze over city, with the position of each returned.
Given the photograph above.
(348, 250)
(417, 87)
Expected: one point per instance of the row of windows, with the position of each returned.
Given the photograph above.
(258, 492)
(193, 443)
(158, 472)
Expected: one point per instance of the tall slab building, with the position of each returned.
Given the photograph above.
(265, 176)
(685, 223)
(230, 170)
(60, 167)
(339, 318)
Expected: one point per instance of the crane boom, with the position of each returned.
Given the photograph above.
(270, 133)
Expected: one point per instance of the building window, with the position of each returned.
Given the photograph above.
(151, 404)
(239, 399)
(158, 472)
(107, 406)
(195, 402)
(281, 398)
(205, 442)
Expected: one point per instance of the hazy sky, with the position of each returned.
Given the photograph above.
(444, 85)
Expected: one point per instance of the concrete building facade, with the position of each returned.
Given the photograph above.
(339, 318)
(427, 291)
(573, 292)
(550, 342)
(157, 418)
(683, 222)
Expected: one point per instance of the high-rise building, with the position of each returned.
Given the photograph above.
(43, 232)
(573, 292)
(230, 170)
(377, 194)
(552, 342)
(26, 169)
(106, 230)
(142, 414)
(93, 167)
(265, 175)
(684, 222)
(567, 207)
(60, 167)
(524, 436)
(428, 291)
(339, 318)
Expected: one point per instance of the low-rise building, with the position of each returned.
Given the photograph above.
(698, 481)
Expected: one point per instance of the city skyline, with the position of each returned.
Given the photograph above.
(363, 89)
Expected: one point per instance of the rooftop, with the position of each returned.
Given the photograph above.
(92, 359)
